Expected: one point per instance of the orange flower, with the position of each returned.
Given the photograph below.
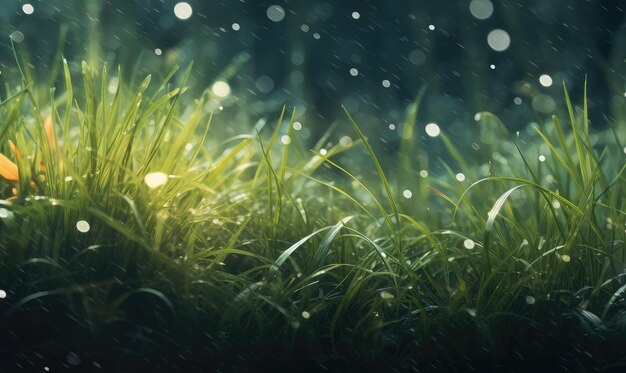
(8, 168)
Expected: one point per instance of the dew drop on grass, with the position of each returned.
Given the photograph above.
(155, 179)
(556, 204)
(82, 226)
(345, 141)
(566, 258)
(305, 315)
(469, 244)
(285, 139)
(3, 294)
(323, 151)
(542, 158)
(432, 129)
(424, 173)
(460, 176)
(385, 295)
(297, 126)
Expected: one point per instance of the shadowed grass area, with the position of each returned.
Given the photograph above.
(134, 235)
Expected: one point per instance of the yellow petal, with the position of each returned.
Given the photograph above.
(8, 169)
(47, 126)
(18, 156)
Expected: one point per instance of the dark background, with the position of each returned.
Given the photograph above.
(570, 40)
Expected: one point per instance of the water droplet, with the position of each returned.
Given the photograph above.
(431, 27)
(183, 11)
(530, 299)
(82, 226)
(499, 40)
(356, 15)
(323, 151)
(275, 13)
(392, 126)
(385, 295)
(469, 244)
(354, 71)
(3, 294)
(305, 315)
(566, 258)
(297, 126)
(28, 8)
(158, 51)
(481, 9)
(542, 158)
(460, 176)
(386, 83)
(285, 139)
(545, 80)
(407, 194)
(236, 26)
(424, 173)
(4, 213)
(432, 129)
(155, 179)
(220, 89)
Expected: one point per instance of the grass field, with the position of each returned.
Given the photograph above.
(136, 233)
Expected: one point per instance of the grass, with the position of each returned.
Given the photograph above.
(254, 251)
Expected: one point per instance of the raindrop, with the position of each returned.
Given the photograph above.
(236, 26)
(417, 57)
(354, 72)
(28, 9)
(431, 27)
(265, 84)
(556, 204)
(356, 15)
(155, 179)
(297, 126)
(424, 173)
(530, 299)
(305, 28)
(183, 11)
(386, 83)
(542, 158)
(73, 359)
(566, 258)
(432, 129)
(345, 141)
(275, 13)
(305, 315)
(517, 101)
(323, 151)
(317, 36)
(460, 176)
(407, 194)
(499, 40)
(481, 9)
(392, 126)
(3, 294)
(545, 80)
(285, 139)
(468, 244)
(220, 89)
(492, 67)
(158, 51)
(82, 226)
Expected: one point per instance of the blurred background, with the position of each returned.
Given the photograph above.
(509, 57)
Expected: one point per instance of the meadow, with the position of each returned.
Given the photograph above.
(136, 232)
